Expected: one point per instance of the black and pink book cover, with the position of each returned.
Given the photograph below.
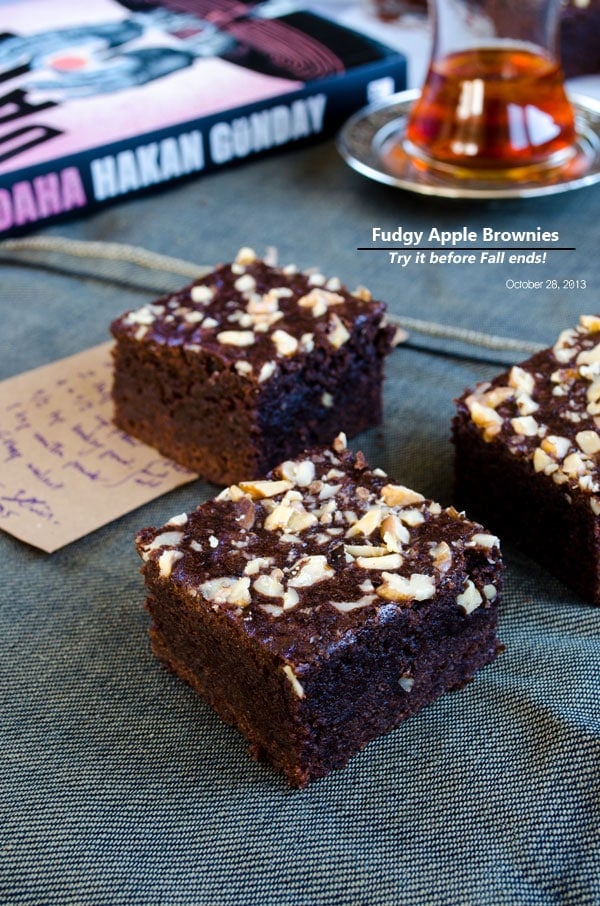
(104, 98)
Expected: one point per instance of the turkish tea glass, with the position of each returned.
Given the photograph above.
(493, 103)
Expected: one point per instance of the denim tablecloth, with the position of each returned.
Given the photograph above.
(118, 785)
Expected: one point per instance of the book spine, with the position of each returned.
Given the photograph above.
(80, 183)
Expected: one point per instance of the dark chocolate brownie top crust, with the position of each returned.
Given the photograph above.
(547, 411)
(252, 316)
(305, 558)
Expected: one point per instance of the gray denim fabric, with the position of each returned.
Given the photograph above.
(118, 785)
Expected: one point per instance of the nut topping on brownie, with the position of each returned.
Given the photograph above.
(238, 306)
(547, 410)
(323, 532)
(528, 456)
(248, 366)
(320, 606)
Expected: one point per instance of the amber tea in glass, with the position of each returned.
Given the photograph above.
(494, 99)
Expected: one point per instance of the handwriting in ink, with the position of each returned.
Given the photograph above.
(55, 447)
(87, 437)
(45, 477)
(78, 467)
(20, 501)
(10, 447)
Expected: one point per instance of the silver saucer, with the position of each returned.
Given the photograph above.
(363, 139)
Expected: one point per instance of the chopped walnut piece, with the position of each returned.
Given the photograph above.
(399, 495)
(165, 539)
(521, 380)
(365, 550)
(254, 566)
(245, 284)
(588, 441)
(180, 519)
(263, 305)
(193, 317)
(367, 523)
(290, 599)
(327, 491)
(300, 473)
(591, 323)
(233, 492)
(202, 294)
(441, 556)
(307, 342)
(484, 540)
(387, 561)
(259, 489)
(310, 570)
(525, 404)
(285, 343)
(338, 333)
(270, 585)
(236, 337)
(319, 300)
(593, 394)
(296, 684)
(496, 396)
(525, 425)
(484, 417)
(278, 518)
(246, 513)
(245, 256)
(166, 561)
(301, 520)
(261, 323)
(589, 356)
(227, 590)
(542, 462)
(267, 370)
(563, 348)
(147, 314)
(556, 446)
(347, 606)
(573, 465)
(470, 598)
(419, 587)
(394, 533)
(411, 517)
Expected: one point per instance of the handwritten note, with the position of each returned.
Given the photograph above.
(65, 469)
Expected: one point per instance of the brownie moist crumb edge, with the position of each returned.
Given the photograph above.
(318, 608)
(248, 366)
(527, 456)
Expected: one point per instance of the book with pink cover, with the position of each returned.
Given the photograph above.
(110, 97)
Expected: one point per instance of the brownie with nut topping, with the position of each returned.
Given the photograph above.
(248, 366)
(528, 456)
(318, 608)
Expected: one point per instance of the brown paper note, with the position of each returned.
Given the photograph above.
(65, 469)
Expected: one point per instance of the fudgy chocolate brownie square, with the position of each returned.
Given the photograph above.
(318, 608)
(248, 366)
(527, 456)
